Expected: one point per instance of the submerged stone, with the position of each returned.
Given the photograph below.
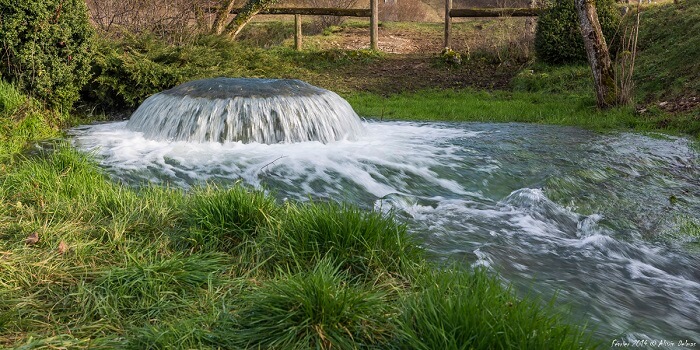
(246, 110)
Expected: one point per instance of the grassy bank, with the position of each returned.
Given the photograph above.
(495, 106)
(542, 94)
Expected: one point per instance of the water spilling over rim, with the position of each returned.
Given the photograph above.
(246, 110)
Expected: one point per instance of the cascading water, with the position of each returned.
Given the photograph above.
(246, 110)
(605, 221)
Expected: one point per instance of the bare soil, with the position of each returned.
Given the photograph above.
(412, 62)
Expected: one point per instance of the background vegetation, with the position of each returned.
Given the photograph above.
(558, 38)
(47, 48)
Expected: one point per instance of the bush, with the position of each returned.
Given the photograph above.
(558, 37)
(129, 70)
(127, 74)
(47, 48)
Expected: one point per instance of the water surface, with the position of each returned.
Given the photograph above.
(593, 216)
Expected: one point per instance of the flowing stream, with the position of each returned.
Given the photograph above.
(608, 222)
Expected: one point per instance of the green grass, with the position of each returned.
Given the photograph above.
(23, 121)
(540, 94)
(364, 243)
(493, 106)
(454, 309)
(320, 308)
(227, 218)
(668, 64)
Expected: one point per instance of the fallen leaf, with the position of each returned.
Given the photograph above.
(32, 239)
(63, 247)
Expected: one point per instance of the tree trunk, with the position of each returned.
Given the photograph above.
(250, 9)
(531, 22)
(225, 7)
(597, 53)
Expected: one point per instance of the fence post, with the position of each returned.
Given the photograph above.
(374, 25)
(448, 22)
(297, 32)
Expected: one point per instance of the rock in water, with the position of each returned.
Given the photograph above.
(246, 110)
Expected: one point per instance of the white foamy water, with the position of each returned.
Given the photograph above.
(247, 110)
(550, 209)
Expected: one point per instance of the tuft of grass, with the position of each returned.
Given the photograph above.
(225, 218)
(457, 309)
(363, 242)
(320, 308)
(10, 98)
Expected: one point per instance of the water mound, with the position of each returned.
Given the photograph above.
(247, 110)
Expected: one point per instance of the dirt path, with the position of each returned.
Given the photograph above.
(412, 72)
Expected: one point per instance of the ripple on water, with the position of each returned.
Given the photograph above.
(549, 208)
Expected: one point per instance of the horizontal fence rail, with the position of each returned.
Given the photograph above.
(482, 12)
(496, 12)
(314, 11)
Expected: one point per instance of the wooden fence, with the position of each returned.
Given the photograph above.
(373, 14)
(482, 12)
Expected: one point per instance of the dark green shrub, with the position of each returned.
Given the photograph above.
(127, 73)
(47, 48)
(558, 37)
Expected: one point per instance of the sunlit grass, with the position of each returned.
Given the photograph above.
(364, 243)
(321, 308)
(457, 309)
(493, 106)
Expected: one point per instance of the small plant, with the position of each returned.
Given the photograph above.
(624, 67)
(451, 56)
